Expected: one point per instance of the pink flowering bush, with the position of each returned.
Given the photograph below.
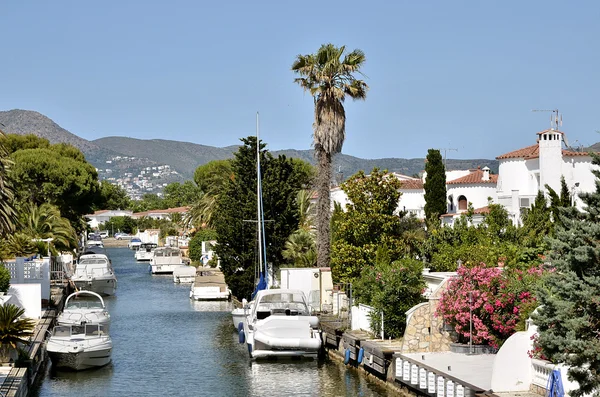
(500, 300)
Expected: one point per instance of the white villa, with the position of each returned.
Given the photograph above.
(161, 214)
(521, 174)
(99, 217)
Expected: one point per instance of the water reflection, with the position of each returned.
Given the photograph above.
(218, 306)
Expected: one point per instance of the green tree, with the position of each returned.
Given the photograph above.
(45, 221)
(7, 205)
(14, 142)
(329, 76)
(195, 245)
(370, 221)
(237, 238)
(181, 194)
(568, 318)
(14, 329)
(125, 224)
(148, 202)
(58, 175)
(435, 185)
(112, 197)
(212, 175)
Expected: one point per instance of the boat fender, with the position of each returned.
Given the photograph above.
(347, 356)
(149, 268)
(241, 335)
(361, 354)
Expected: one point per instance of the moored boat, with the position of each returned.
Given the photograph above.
(145, 252)
(84, 307)
(165, 260)
(79, 347)
(184, 274)
(209, 285)
(280, 324)
(94, 272)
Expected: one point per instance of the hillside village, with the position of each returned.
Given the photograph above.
(136, 178)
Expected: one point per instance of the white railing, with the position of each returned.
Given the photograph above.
(541, 372)
(35, 271)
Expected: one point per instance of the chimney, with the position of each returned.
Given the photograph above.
(486, 174)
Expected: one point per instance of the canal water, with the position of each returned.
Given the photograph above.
(167, 345)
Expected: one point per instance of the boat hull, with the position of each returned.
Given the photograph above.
(164, 269)
(284, 336)
(208, 294)
(79, 355)
(102, 286)
(238, 317)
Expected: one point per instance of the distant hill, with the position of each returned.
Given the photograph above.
(23, 122)
(185, 157)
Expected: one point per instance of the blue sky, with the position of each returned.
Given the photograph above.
(443, 74)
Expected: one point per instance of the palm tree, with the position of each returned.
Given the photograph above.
(46, 221)
(13, 329)
(329, 77)
(8, 217)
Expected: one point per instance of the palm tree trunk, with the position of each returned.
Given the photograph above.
(323, 208)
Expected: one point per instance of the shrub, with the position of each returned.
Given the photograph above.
(4, 279)
(391, 289)
(501, 300)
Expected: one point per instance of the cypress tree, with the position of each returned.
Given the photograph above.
(568, 318)
(435, 185)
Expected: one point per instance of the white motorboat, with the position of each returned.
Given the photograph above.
(79, 347)
(165, 260)
(145, 252)
(280, 324)
(184, 274)
(94, 272)
(209, 285)
(80, 310)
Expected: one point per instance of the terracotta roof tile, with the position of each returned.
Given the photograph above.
(474, 177)
(532, 152)
(411, 184)
(482, 210)
(528, 152)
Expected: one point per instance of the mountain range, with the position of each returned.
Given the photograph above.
(185, 157)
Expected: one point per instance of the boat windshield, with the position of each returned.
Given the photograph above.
(61, 330)
(94, 329)
(92, 261)
(283, 301)
(83, 304)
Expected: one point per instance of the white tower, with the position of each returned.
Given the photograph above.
(550, 149)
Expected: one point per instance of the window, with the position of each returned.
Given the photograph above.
(462, 203)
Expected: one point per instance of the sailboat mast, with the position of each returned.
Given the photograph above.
(261, 211)
(258, 201)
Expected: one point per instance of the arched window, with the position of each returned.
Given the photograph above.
(450, 203)
(462, 203)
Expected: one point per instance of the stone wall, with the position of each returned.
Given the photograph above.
(424, 331)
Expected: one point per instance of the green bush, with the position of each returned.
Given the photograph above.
(195, 244)
(4, 279)
(392, 289)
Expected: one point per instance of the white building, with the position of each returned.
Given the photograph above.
(521, 174)
(99, 217)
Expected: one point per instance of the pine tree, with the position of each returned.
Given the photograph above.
(435, 185)
(568, 318)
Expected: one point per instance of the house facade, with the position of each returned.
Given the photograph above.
(100, 217)
(521, 174)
